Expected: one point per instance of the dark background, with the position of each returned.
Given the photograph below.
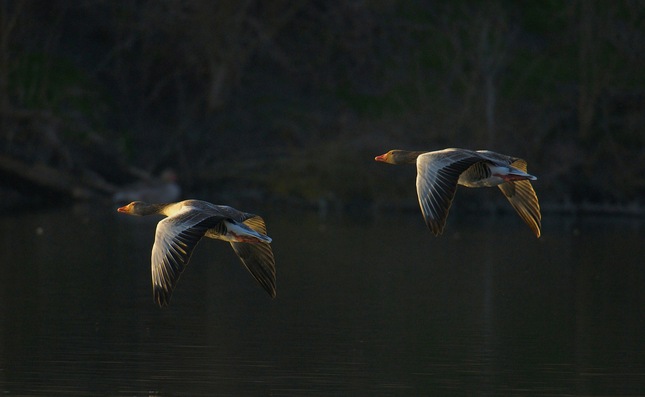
(289, 101)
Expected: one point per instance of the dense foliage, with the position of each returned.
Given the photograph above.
(292, 100)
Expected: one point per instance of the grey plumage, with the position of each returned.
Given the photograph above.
(439, 172)
(187, 223)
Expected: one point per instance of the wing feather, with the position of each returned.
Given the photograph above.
(437, 176)
(175, 239)
(523, 198)
(258, 258)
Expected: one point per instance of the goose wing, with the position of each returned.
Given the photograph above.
(257, 258)
(175, 239)
(437, 176)
(523, 198)
(496, 158)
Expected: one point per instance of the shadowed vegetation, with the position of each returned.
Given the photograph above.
(291, 100)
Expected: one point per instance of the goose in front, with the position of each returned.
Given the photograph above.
(439, 173)
(186, 223)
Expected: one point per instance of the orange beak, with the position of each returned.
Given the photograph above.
(125, 208)
(382, 158)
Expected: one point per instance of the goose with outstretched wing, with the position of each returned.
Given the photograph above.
(186, 223)
(439, 172)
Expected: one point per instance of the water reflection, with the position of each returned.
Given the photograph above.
(366, 306)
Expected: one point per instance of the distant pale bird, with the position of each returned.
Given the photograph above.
(439, 173)
(186, 223)
(164, 189)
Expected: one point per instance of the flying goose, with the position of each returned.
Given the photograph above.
(186, 223)
(439, 172)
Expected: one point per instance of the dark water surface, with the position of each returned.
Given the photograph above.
(366, 306)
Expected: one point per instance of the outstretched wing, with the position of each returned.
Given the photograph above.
(175, 240)
(523, 198)
(258, 257)
(437, 176)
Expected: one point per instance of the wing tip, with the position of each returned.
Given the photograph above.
(161, 296)
(435, 226)
(268, 284)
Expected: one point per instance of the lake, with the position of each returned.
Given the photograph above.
(367, 305)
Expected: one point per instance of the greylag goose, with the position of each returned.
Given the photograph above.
(439, 173)
(186, 223)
